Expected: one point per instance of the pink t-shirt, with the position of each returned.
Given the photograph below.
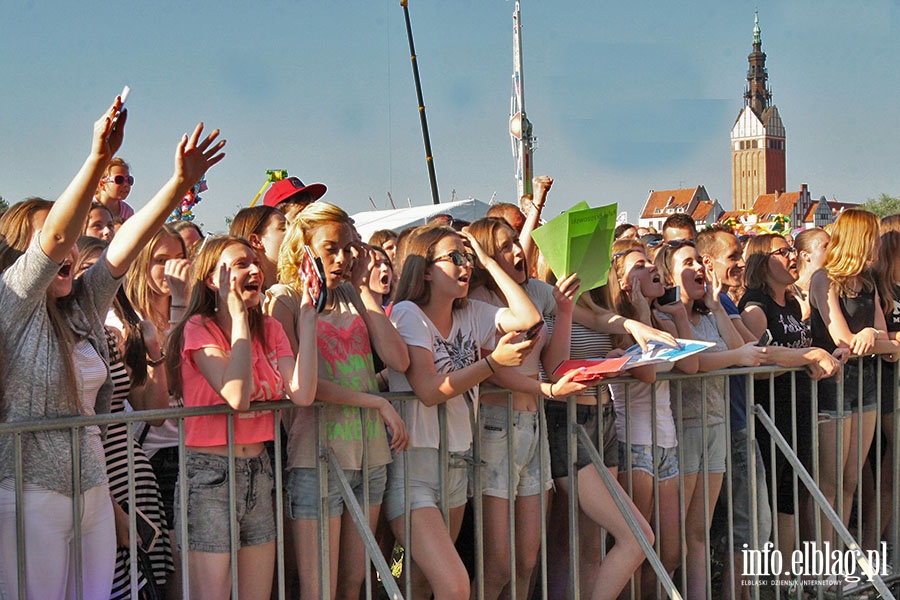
(250, 426)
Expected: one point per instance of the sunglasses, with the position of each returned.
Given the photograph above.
(457, 258)
(784, 251)
(119, 179)
(676, 244)
(624, 253)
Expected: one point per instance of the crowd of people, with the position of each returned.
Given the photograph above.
(105, 309)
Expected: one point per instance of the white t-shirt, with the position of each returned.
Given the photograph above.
(473, 328)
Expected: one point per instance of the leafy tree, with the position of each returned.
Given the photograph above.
(883, 206)
(3, 205)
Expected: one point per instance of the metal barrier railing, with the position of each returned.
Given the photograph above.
(328, 466)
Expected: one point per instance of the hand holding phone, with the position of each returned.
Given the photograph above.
(765, 339)
(671, 296)
(533, 331)
(313, 273)
(124, 96)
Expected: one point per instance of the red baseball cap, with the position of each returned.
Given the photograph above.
(284, 189)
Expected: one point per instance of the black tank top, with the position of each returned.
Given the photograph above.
(859, 312)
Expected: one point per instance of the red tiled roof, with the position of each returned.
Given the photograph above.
(664, 199)
(702, 210)
(729, 214)
(767, 206)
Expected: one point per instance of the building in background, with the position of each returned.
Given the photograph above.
(757, 137)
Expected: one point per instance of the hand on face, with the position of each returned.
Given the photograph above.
(228, 293)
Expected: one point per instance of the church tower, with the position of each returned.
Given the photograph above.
(757, 137)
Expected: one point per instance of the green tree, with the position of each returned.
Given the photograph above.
(883, 206)
(3, 205)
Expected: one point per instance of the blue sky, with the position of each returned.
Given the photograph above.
(624, 97)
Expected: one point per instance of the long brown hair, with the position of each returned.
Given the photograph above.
(757, 271)
(203, 302)
(137, 286)
(888, 255)
(419, 254)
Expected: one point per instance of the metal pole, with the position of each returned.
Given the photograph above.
(415, 67)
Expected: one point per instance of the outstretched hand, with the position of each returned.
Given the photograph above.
(107, 139)
(194, 157)
(565, 291)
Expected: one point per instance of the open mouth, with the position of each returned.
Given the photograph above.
(656, 279)
(65, 270)
(385, 280)
(251, 287)
(519, 265)
(464, 278)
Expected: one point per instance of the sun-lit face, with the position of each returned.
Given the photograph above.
(509, 254)
(245, 270)
(728, 262)
(639, 269)
(448, 279)
(782, 264)
(332, 243)
(166, 249)
(815, 256)
(380, 276)
(100, 224)
(119, 191)
(390, 248)
(689, 273)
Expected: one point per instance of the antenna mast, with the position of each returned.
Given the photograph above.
(523, 142)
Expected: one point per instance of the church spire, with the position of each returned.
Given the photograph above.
(757, 94)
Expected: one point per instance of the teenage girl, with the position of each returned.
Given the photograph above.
(225, 351)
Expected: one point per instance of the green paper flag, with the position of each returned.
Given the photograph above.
(579, 241)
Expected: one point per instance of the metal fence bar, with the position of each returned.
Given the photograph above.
(361, 520)
(820, 500)
(624, 509)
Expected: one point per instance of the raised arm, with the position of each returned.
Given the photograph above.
(230, 374)
(66, 219)
(606, 321)
(385, 338)
(532, 206)
(193, 157)
(300, 373)
(521, 313)
(558, 348)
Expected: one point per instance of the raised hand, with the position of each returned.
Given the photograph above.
(363, 261)
(565, 291)
(714, 287)
(228, 294)
(194, 157)
(108, 139)
(176, 272)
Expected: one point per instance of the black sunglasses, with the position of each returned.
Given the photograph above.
(457, 258)
(120, 179)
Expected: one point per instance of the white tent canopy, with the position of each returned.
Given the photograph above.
(399, 219)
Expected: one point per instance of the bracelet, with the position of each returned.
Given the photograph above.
(552, 396)
(487, 359)
(156, 362)
(181, 306)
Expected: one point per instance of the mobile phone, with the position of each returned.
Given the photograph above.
(765, 339)
(533, 331)
(671, 296)
(147, 531)
(124, 96)
(313, 273)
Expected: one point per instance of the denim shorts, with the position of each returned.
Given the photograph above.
(586, 416)
(642, 460)
(529, 448)
(208, 502)
(425, 481)
(301, 490)
(741, 489)
(694, 453)
(828, 388)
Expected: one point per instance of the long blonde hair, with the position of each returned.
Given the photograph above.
(299, 234)
(854, 237)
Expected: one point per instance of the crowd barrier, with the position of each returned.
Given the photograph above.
(722, 579)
